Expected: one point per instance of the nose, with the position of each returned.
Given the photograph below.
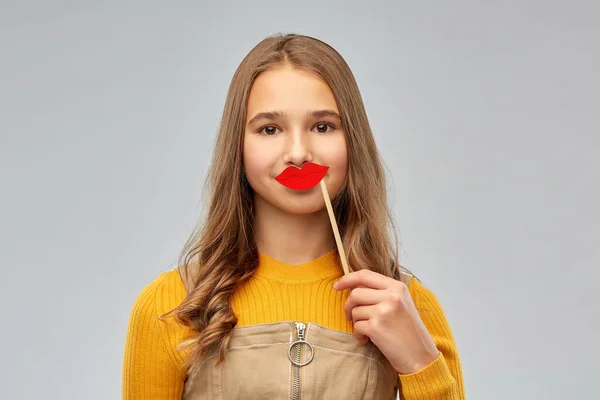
(297, 150)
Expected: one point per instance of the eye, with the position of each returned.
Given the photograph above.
(270, 130)
(324, 125)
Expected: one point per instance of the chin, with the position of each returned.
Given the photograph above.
(302, 210)
(301, 206)
(292, 201)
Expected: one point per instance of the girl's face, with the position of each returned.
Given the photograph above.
(292, 132)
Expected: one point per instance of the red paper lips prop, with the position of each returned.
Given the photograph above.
(302, 178)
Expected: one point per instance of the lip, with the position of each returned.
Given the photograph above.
(302, 178)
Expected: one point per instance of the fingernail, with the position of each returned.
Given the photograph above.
(335, 285)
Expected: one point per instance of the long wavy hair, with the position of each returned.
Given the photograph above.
(221, 252)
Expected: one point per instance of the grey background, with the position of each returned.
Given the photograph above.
(486, 114)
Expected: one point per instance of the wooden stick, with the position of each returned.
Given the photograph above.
(336, 232)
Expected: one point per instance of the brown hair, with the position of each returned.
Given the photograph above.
(221, 252)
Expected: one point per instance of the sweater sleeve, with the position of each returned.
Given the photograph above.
(442, 379)
(150, 369)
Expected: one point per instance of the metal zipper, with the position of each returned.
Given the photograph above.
(300, 336)
(300, 329)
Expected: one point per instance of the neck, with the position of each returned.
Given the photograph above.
(291, 238)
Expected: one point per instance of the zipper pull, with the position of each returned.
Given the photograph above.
(300, 330)
(300, 327)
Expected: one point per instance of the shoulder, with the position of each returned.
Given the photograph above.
(424, 298)
(160, 296)
(430, 310)
(149, 333)
(151, 344)
(157, 298)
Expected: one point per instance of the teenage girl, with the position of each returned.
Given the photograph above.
(259, 306)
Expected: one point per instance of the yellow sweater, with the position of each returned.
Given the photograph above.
(276, 292)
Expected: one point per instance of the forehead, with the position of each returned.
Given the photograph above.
(290, 90)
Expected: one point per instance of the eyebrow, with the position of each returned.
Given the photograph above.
(275, 115)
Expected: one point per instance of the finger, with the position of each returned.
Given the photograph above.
(359, 286)
(362, 313)
(363, 297)
(361, 331)
(364, 277)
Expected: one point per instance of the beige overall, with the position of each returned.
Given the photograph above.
(293, 360)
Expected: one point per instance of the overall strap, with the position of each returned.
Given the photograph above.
(405, 277)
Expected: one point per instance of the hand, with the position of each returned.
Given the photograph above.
(383, 311)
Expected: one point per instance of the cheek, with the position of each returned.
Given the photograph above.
(337, 158)
(256, 158)
(340, 161)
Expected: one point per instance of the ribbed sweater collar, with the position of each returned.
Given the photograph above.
(325, 266)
